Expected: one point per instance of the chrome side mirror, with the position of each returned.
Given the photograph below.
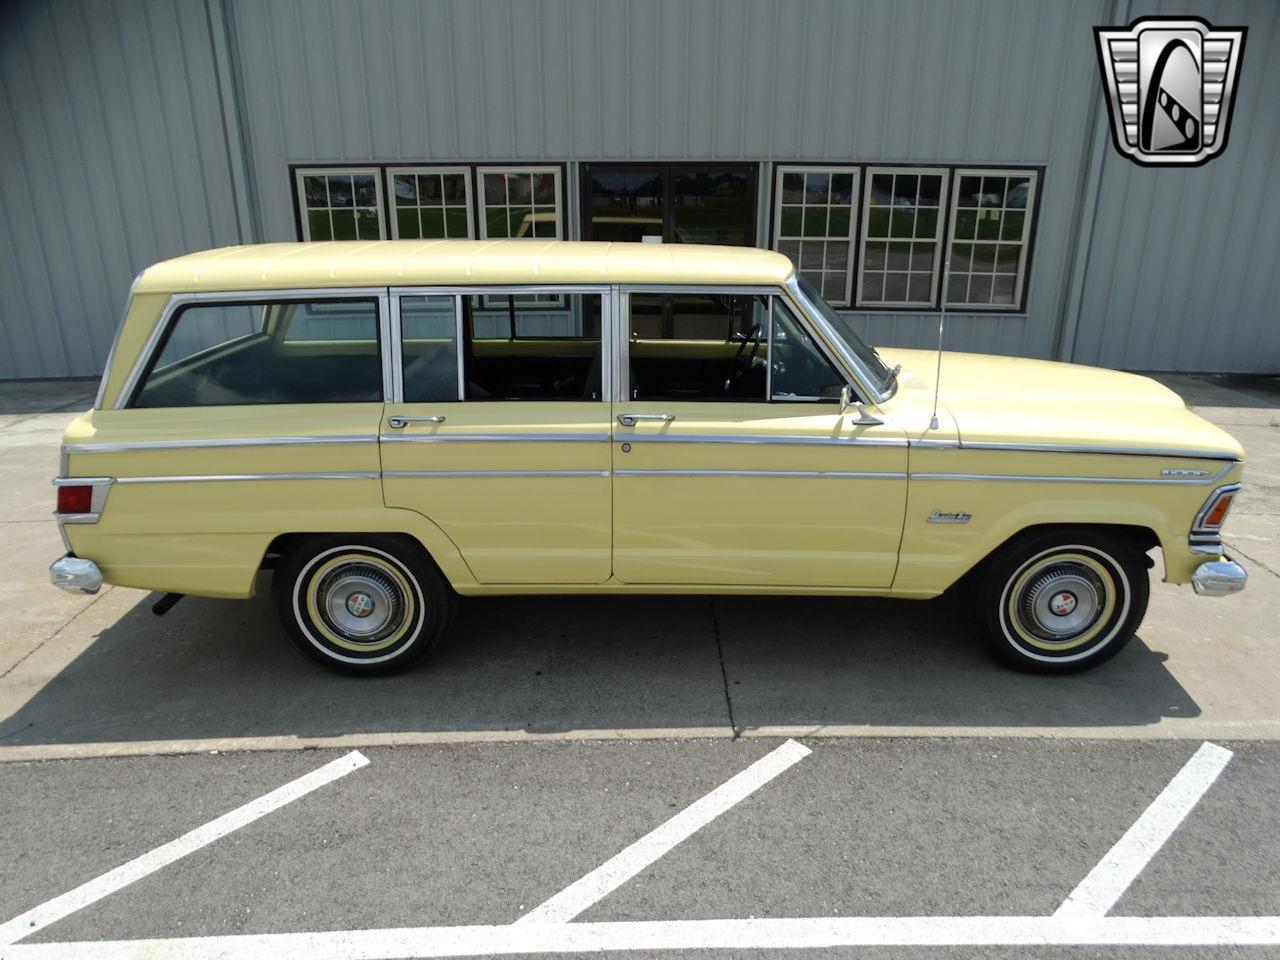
(863, 418)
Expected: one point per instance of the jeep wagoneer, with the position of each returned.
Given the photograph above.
(387, 424)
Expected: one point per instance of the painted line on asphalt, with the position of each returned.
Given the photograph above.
(94, 890)
(617, 870)
(1106, 883)
(653, 935)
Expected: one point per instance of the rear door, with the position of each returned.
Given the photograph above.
(733, 464)
(499, 427)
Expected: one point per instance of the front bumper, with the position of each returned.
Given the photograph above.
(75, 574)
(1219, 578)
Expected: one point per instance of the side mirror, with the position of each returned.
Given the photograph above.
(848, 400)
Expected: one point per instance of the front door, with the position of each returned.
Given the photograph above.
(733, 464)
(501, 430)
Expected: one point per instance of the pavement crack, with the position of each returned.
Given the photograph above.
(76, 616)
(724, 671)
(1254, 560)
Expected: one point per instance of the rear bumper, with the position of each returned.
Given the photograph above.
(1219, 578)
(75, 574)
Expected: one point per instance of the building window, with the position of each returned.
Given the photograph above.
(990, 226)
(520, 202)
(430, 203)
(340, 204)
(901, 236)
(813, 224)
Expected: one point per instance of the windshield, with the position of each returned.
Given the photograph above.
(881, 375)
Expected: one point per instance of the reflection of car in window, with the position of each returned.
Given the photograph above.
(385, 425)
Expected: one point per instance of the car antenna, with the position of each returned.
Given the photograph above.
(942, 320)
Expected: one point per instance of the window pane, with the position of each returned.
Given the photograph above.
(508, 208)
(970, 187)
(455, 189)
(218, 355)
(922, 256)
(966, 224)
(365, 192)
(429, 344)
(561, 359)
(432, 223)
(899, 257)
(519, 188)
(317, 195)
(544, 188)
(930, 190)
(1019, 189)
(988, 224)
(318, 225)
(798, 369)
(817, 187)
(495, 189)
(344, 224)
(992, 192)
(711, 206)
(875, 256)
(815, 221)
(904, 223)
(340, 192)
(918, 287)
(698, 346)
(842, 188)
(406, 189)
(872, 287)
(367, 225)
(927, 222)
(980, 288)
(895, 287)
(793, 188)
(626, 204)
(430, 186)
(1012, 228)
(878, 222)
(792, 221)
(905, 189)
(455, 223)
(1002, 289)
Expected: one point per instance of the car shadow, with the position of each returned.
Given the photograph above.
(219, 669)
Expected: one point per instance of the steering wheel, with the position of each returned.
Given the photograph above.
(740, 364)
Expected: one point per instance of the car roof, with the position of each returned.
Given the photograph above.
(380, 263)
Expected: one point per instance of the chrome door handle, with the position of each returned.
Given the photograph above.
(631, 419)
(398, 422)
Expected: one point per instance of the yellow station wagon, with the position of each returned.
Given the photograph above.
(386, 424)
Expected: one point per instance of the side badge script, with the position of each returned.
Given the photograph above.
(939, 516)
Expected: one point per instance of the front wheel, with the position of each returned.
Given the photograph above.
(361, 604)
(1061, 601)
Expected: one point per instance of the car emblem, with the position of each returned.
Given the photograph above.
(1174, 472)
(359, 604)
(939, 516)
(1171, 84)
(1063, 603)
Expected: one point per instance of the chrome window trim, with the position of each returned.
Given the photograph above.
(488, 474)
(214, 477)
(752, 438)
(428, 290)
(130, 445)
(115, 342)
(388, 346)
(835, 346)
(497, 437)
(177, 300)
(769, 474)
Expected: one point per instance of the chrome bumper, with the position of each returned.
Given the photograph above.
(1218, 578)
(75, 574)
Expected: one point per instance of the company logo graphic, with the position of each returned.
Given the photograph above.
(1171, 84)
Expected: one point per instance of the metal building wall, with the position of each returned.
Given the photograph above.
(975, 81)
(1184, 265)
(112, 156)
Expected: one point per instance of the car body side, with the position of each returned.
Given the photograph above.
(200, 497)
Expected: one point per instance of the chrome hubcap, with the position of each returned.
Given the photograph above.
(1062, 602)
(360, 602)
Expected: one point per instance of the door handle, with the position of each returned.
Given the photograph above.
(631, 419)
(398, 422)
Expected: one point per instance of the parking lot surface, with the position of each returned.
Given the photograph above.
(686, 777)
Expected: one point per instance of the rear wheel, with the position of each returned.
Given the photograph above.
(1062, 601)
(361, 604)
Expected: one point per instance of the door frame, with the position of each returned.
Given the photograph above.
(753, 187)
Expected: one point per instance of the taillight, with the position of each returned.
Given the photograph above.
(75, 498)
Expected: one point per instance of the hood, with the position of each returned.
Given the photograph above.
(1014, 400)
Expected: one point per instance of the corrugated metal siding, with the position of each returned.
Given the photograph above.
(1182, 272)
(976, 81)
(112, 152)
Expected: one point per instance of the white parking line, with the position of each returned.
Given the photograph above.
(650, 935)
(1106, 883)
(613, 873)
(94, 890)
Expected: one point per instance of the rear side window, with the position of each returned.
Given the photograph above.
(322, 351)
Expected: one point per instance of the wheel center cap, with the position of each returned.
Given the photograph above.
(359, 604)
(1063, 603)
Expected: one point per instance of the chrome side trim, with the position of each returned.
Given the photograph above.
(767, 474)
(760, 439)
(97, 503)
(1088, 448)
(217, 478)
(489, 474)
(497, 438)
(1019, 478)
(115, 342)
(128, 445)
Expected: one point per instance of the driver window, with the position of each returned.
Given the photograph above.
(699, 346)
